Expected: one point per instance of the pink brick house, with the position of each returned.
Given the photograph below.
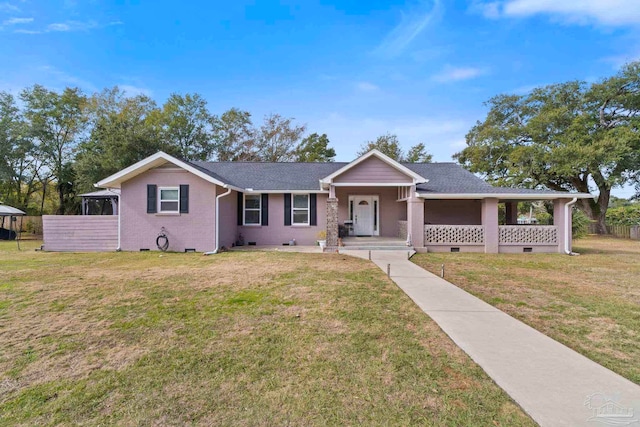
(204, 206)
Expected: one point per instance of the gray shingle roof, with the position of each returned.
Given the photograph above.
(270, 176)
(448, 178)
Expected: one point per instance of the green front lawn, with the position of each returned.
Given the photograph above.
(250, 338)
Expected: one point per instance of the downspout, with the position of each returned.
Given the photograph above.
(218, 197)
(567, 227)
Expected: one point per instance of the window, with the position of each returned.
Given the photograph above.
(170, 199)
(300, 211)
(252, 209)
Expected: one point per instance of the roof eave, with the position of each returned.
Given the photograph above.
(520, 196)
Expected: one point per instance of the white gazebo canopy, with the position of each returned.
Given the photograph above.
(10, 211)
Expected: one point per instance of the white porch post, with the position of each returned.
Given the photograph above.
(415, 221)
(559, 221)
(490, 224)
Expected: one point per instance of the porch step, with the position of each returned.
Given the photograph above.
(377, 248)
(372, 241)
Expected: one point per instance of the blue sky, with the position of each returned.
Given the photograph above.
(350, 68)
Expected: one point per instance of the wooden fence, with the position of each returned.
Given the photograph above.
(80, 233)
(624, 231)
(29, 225)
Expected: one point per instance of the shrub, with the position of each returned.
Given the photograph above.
(580, 224)
(624, 215)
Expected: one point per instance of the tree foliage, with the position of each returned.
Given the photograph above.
(314, 148)
(124, 130)
(568, 136)
(64, 142)
(20, 162)
(234, 136)
(277, 139)
(389, 145)
(186, 122)
(418, 154)
(624, 215)
(56, 123)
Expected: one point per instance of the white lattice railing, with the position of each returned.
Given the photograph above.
(528, 234)
(453, 234)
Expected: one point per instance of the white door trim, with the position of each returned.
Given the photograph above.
(374, 202)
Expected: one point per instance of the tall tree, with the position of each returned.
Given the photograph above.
(315, 148)
(234, 138)
(418, 154)
(277, 139)
(124, 130)
(57, 122)
(186, 122)
(19, 159)
(389, 145)
(568, 136)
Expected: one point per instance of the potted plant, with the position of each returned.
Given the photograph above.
(322, 239)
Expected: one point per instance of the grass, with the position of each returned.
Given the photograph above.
(590, 302)
(249, 338)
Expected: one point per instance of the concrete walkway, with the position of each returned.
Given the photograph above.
(555, 385)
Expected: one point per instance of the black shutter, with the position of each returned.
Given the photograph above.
(287, 208)
(152, 198)
(240, 208)
(184, 199)
(313, 209)
(265, 209)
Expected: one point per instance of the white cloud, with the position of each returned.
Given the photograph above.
(603, 12)
(8, 7)
(367, 87)
(617, 61)
(59, 77)
(17, 21)
(68, 26)
(411, 25)
(526, 89)
(131, 90)
(21, 31)
(458, 145)
(72, 26)
(58, 27)
(489, 9)
(453, 74)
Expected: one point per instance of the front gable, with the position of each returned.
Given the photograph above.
(374, 168)
(160, 160)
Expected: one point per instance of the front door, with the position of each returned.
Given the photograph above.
(363, 215)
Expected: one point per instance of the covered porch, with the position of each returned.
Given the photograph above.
(368, 197)
(475, 225)
(439, 208)
(396, 216)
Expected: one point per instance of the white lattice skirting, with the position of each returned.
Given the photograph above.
(528, 234)
(453, 234)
